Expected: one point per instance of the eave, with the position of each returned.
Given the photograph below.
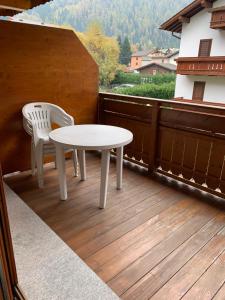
(174, 24)
(13, 7)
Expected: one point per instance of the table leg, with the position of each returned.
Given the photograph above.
(104, 177)
(82, 163)
(39, 161)
(60, 159)
(119, 167)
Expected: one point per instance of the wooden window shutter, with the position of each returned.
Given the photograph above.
(198, 91)
(205, 48)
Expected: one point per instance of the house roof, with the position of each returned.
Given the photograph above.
(174, 24)
(13, 7)
(169, 67)
(172, 54)
(141, 53)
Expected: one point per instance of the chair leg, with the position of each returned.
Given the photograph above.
(75, 162)
(55, 162)
(33, 162)
(39, 160)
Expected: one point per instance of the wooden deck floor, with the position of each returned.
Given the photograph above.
(153, 241)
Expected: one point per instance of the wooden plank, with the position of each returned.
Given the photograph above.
(135, 244)
(165, 150)
(146, 208)
(220, 295)
(210, 282)
(194, 269)
(126, 241)
(156, 279)
(129, 276)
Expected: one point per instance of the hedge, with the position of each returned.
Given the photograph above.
(160, 91)
(132, 78)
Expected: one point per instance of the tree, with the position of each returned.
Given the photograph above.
(126, 52)
(119, 40)
(105, 51)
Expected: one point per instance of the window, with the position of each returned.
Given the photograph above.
(198, 90)
(205, 48)
(154, 72)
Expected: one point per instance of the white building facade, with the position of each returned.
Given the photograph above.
(207, 69)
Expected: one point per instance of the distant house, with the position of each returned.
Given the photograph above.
(136, 59)
(154, 68)
(143, 58)
(166, 56)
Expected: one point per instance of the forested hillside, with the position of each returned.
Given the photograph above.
(137, 19)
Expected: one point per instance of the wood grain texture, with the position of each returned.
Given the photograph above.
(152, 240)
(40, 63)
(22, 4)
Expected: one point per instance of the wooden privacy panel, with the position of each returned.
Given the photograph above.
(39, 63)
(181, 140)
(134, 116)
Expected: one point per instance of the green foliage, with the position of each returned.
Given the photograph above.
(137, 19)
(126, 52)
(133, 78)
(160, 91)
(104, 50)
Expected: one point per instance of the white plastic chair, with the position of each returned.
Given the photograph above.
(38, 118)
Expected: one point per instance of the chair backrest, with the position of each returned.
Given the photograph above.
(42, 115)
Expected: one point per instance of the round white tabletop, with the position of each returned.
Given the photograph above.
(92, 137)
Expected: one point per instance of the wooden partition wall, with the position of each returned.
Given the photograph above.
(39, 63)
(181, 140)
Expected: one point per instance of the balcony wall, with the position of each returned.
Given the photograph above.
(39, 63)
(181, 140)
(205, 66)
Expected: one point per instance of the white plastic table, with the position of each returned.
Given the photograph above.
(91, 137)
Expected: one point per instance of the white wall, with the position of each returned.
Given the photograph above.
(171, 60)
(199, 28)
(192, 33)
(214, 89)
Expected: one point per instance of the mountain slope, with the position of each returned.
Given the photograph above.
(137, 19)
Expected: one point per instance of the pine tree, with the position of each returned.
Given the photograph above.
(126, 52)
(119, 40)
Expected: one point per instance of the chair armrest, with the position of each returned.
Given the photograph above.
(61, 118)
(27, 125)
(31, 128)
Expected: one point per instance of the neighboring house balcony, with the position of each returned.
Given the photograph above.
(218, 18)
(208, 66)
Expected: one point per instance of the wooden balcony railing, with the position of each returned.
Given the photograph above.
(218, 19)
(213, 65)
(182, 140)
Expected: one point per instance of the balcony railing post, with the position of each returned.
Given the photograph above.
(154, 135)
(100, 109)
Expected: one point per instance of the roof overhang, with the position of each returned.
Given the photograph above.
(13, 7)
(163, 66)
(174, 24)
